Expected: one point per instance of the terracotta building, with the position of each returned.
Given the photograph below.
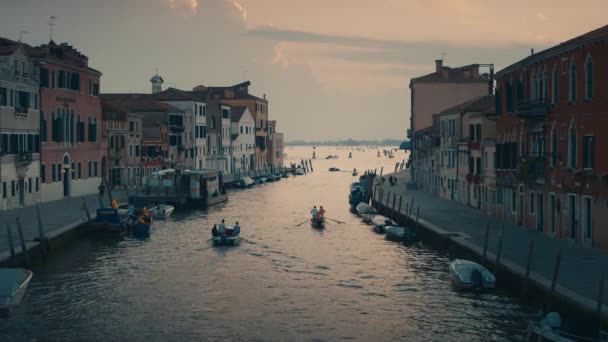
(73, 156)
(553, 108)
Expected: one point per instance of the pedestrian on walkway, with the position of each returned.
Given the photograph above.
(101, 189)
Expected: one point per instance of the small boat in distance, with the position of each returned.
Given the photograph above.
(162, 211)
(355, 172)
(244, 182)
(109, 221)
(331, 157)
(466, 274)
(398, 233)
(13, 283)
(317, 222)
(228, 239)
(380, 222)
(299, 171)
(334, 169)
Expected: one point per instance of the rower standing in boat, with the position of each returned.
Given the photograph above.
(314, 212)
(321, 214)
(222, 229)
(237, 229)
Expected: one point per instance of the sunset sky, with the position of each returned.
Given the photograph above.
(330, 68)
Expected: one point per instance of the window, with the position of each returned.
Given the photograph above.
(514, 201)
(137, 150)
(572, 147)
(53, 173)
(29, 185)
(531, 204)
(130, 150)
(43, 172)
(587, 218)
(95, 168)
(588, 78)
(59, 169)
(79, 170)
(90, 169)
(3, 189)
(554, 149)
(472, 132)
(37, 184)
(555, 85)
(53, 79)
(572, 93)
(478, 132)
(588, 152)
(73, 170)
(131, 126)
(13, 188)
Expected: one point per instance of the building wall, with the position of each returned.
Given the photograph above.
(85, 105)
(243, 145)
(20, 120)
(277, 147)
(433, 97)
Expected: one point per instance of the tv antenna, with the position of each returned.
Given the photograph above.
(21, 35)
(51, 24)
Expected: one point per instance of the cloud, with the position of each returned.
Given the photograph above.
(541, 16)
(242, 10)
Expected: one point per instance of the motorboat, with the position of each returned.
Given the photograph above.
(162, 211)
(245, 182)
(467, 274)
(317, 222)
(228, 239)
(355, 173)
(399, 233)
(13, 284)
(354, 198)
(350, 154)
(355, 185)
(140, 226)
(334, 169)
(380, 222)
(299, 171)
(331, 157)
(108, 220)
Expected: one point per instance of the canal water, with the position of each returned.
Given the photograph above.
(284, 282)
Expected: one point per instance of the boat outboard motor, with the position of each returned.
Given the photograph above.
(476, 279)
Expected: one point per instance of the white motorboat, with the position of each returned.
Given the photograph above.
(162, 211)
(380, 222)
(245, 182)
(467, 274)
(13, 283)
(547, 330)
(365, 209)
(398, 233)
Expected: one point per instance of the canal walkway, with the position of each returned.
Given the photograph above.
(580, 268)
(58, 217)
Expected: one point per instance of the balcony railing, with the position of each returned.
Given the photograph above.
(24, 158)
(532, 109)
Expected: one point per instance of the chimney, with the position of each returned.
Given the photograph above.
(264, 96)
(531, 52)
(438, 65)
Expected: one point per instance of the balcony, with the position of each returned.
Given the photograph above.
(115, 154)
(23, 158)
(532, 169)
(532, 109)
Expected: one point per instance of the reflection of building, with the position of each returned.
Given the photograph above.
(19, 127)
(243, 140)
(73, 158)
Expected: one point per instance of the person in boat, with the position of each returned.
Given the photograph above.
(321, 214)
(214, 231)
(237, 229)
(222, 228)
(114, 204)
(145, 216)
(314, 212)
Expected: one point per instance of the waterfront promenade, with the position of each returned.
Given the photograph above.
(57, 216)
(580, 268)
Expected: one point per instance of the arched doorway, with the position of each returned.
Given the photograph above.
(66, 175)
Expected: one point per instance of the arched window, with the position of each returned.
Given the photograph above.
(589, 78)
(572, 93)
(543, 92)
(572, 146)
(555, 84)
(554, 147)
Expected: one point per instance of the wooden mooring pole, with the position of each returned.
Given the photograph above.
(394, 212)
(398, 216)
(26, 257)
(417, 216)
(499, 250)
(528, 266)
(11, 244)
(44, 245)
(600, 301)
(558, 260)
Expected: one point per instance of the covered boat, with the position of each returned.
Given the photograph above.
(398, 233)
(317, 222)
(334, 169)
(467, 274)
(13, 283)
(299, 171)
(230, 238)
(354, 198)
(380, 222)
(366, 211)
(162, 211)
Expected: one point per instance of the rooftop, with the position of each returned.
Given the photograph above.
(482, 104)
(466, 73)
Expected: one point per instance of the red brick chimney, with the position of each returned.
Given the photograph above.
(438, 65)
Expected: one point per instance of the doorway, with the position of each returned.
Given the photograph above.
(572, 215)
(66, 176)
(21, 185)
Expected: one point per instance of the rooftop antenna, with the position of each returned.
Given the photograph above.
(51, 24)
(21, 35)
